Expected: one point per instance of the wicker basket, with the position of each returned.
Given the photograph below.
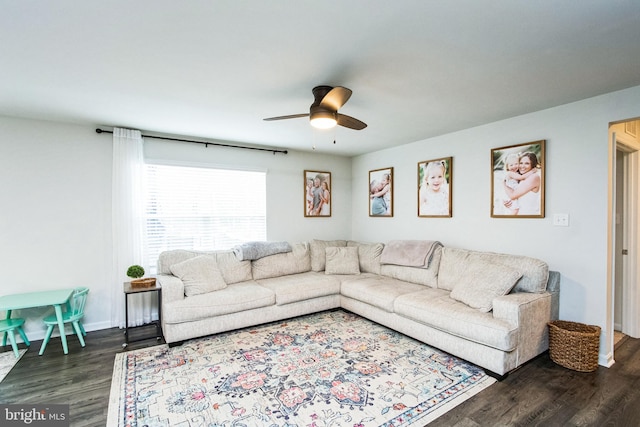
(574, 345)
(143, 283)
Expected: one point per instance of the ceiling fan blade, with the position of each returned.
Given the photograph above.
(350, 122)
(336, 98)
(292, 116)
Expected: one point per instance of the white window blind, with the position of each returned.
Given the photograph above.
(202, 209)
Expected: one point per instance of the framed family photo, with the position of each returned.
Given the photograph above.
(381, 192)
(317, 193)
(517, 181)
(434, 187)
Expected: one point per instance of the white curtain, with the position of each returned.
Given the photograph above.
(128, 227)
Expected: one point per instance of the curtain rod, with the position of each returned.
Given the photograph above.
(206, 144)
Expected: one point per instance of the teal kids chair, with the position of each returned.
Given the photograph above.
(8, 327)
(73, 315)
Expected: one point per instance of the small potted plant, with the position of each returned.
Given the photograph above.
(136, 272)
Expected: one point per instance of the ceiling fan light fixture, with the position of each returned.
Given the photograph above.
(323, 122)
(321, 118)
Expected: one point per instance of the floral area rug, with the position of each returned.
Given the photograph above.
(327, 369)
(8, 360)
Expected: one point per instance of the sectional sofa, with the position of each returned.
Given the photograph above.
(488, 308)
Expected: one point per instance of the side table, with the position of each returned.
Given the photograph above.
(128, 290)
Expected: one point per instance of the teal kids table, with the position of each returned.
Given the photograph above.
(56, 298)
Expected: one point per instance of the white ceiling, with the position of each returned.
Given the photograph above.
(214, 69)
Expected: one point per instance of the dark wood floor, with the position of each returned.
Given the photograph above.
(540, 393)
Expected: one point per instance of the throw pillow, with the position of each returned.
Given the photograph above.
(368, 255)
(342, 260)
(482, 282)
(199, 275)
(318, 254)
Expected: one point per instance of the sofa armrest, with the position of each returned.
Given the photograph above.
(530, 313)
(553, 286)
(172, 288)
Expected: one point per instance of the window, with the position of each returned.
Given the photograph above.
(202, 209)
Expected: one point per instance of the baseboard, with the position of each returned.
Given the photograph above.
(36, 335)
(606, 360)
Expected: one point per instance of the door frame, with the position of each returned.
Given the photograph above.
(631, 226)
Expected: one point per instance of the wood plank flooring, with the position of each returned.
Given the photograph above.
(540, 393)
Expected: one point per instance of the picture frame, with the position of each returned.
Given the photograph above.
(517, 180)
(317, 194)
(381, 192)
(435, 188)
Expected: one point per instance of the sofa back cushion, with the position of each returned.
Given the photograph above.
(232, 270)
(296, 261)
(318, 255)
(427, 276)
(169, 258)
(454, 268)
(368, 256)
(199, 275)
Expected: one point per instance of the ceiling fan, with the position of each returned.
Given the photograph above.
(323, 113)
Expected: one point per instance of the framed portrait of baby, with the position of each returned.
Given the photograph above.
(435, 188)
(381, 192)
(317, 193)
(517, 181)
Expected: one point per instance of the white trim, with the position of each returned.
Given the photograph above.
(631, 296)
(606, 360)
(630, 318)
(38, 334)
(606, 342)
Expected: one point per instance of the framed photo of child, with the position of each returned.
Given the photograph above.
(517, 181)
(381, 192)
(317, 194)
(434, 188)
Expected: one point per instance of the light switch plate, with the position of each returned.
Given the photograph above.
(561, 220)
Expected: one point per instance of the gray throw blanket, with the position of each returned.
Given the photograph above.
(257, 250)
(410, 253)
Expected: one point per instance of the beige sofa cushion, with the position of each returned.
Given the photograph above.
(419, 275)
(199, 275)
(169, 258)
(318, 255)
(483, 282)
(301, 287)
(434, 308)
(535, 273)
(234, 298)
(368, 256)
(296, 261)
(232, 270)
(379, 291)
(342, 260)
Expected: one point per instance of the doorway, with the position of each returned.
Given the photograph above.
(625, 229)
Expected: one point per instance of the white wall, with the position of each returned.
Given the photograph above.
(55, 201)
(577, 174)
(55, 206)
(55, 214)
